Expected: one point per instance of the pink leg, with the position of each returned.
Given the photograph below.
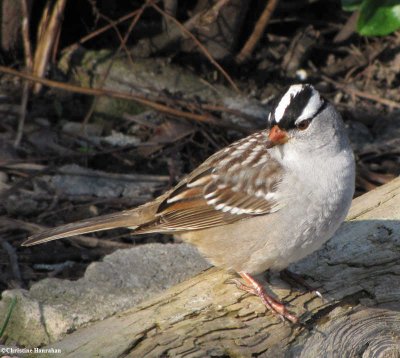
(253, 287)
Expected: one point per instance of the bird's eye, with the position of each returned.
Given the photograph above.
(303, 124)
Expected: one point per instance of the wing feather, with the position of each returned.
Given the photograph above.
(237, 182)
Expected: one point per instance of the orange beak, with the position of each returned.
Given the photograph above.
(277, 135)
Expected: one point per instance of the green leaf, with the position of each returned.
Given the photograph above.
(351, 5)
(379, 17)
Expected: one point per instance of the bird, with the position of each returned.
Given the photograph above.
(261, 203)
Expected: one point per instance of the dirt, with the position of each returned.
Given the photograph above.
(360, 75)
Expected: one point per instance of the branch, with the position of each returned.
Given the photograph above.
(205, 117)
(358, 271)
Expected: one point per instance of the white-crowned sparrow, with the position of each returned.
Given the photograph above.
(261, 203)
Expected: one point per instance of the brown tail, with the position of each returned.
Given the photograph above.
(130, 218)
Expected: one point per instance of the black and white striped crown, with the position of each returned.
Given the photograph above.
(297, 103)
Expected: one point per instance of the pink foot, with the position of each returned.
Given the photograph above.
(253, 287)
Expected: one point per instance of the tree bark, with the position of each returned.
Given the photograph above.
(357, 272)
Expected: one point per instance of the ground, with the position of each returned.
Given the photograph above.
(44, 180)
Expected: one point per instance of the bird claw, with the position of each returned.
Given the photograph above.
(256, 289)
(242, 286)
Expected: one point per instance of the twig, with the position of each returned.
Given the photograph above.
(97, 32)
(199, 44)
(80, 171)
(26, 35)
(13, 261)
(19, 184)
(206, 117)
(44, 20)
(259, 28)
(79, 154)
(355, 92)
(47, 40)
(123, 41)
(76, 170)
(22, 112)
(28, 64)
(113, 24)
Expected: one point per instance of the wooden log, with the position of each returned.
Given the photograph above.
(358, 273)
